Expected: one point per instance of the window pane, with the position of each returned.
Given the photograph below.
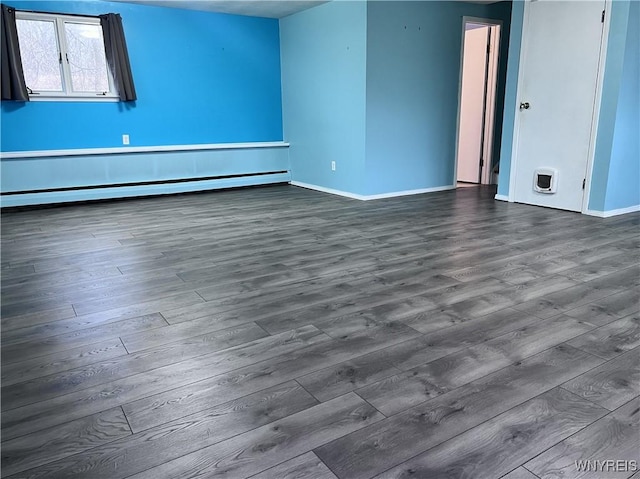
(39, 51)
(87, 61)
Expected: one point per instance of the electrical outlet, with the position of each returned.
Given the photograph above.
(125, 139)
(333, 166)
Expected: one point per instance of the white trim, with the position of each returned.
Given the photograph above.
(610, 213)
(109, 98)
(139, 149)
(410, 192)
(48, 16)
(501, 197)
(356, 196)
(491, 98)
(308, 186)
(481, 21)
(595, 119)
(460, 68)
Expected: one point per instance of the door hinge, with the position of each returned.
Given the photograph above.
(481, 163)
(584, 183)
(488, 48)
(602, 19)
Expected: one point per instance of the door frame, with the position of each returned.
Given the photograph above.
(595, 116)
(482, 21)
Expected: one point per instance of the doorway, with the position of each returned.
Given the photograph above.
(477, 100)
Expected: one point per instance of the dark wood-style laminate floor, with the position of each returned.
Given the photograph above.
(279, 332)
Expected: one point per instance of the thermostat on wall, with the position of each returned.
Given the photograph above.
(545, 180)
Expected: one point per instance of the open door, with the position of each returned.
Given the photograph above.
(477, 101)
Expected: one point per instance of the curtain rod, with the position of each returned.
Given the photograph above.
(55, 13)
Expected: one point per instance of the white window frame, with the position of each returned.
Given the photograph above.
(67, 94)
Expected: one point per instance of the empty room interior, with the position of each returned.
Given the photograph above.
(343, 239)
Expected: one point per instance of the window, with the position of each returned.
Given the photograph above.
(63, 57)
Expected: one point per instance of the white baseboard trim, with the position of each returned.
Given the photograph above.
(501, 197)
(410, 192)
(356, 196)
(610, 213)
(331, 191)
(7, 155)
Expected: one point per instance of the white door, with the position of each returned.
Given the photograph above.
(474, 67)
(490, 103)
(558, 75)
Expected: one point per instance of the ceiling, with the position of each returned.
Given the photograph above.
(252, 8)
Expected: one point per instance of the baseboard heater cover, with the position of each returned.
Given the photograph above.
(143, 183)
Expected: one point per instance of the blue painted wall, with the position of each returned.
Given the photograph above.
(623, 188)
(413, 71)
(615, 180)
(619, 20)
(379, 99)
(510, 99)
(200, 77)
(323, 53)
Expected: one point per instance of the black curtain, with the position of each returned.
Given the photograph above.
(117, 55)
(11, 73)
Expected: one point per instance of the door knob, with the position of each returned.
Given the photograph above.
(524, 105)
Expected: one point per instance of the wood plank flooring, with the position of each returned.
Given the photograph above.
(279, 332)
